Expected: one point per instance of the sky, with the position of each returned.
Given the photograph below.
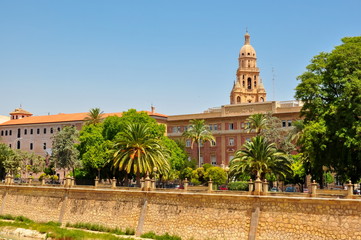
(179, 56)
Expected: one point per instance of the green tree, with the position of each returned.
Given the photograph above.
(94, 117)
(138, 151)
(331, 92)
(7, 160)
(198, 132)
(217, 174)
(258, 157)
(64, 152)
(177, 156)
(256, 122)
(93, 148)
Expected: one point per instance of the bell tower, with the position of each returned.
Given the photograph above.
(248, 87)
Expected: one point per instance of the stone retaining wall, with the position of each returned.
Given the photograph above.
(190, 215)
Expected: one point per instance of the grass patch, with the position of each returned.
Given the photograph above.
(101, 228)
(53, 230)
(165, 236)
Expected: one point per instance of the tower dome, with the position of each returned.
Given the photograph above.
(247, 50)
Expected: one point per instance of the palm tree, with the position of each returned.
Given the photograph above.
(138, 151)
(295, 134)
(94, 117)
(257, 122)
(260, 157)
(198, 132)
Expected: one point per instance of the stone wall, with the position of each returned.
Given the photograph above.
(190, 215)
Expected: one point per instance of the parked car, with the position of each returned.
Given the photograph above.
(305, 190)
(274, 189)
(356, 191)
(290, 189)
(223, 187)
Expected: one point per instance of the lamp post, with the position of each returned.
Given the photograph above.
(226, 169)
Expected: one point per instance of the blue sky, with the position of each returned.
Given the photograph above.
(181, 56)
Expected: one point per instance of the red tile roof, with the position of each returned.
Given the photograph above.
(72, 117)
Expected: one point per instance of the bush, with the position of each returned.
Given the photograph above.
(43, 176)
(240, 186)
(165, 236)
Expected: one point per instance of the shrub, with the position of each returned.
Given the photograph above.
(240, 186)
(43, 176)
(165, 236)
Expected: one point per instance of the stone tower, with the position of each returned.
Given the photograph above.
(248, 87)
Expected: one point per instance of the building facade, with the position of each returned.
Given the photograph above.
(227, 123)
(34, 133)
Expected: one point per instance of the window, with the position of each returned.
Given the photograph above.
(289, 123)
(213, 143)
(249, 83)
(59, 129)
(238, 99)
(231, 141)
(19, 132)
(2, 132)
(248, 139)
(31, 146)
(6, 132)
(44, 130)
(38, 131)
(18, 145)
(44, 146)
(185, 128)
(201, 144)
(230, 126)
(10, 132)
(210, 127)
(188, 143)
(213, 160)
(215, 127)
(25, 131)
(9, 145)
(243, 83)
(175, 129)
(230, 158)
(31, 131)
(51, 130)
(284, 123)
(255, 84)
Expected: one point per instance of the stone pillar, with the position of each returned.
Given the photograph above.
(7, 179)
(114, 183)
(257, 186)
(250, 186)
(147, 183)
(30, 180)
(152, 184)
(43, 181)
(186, 185)
(96, 182)
(349, 190)
(313, 188)
(72, 182)
(265, 187)
(210, 185)
(142, 183)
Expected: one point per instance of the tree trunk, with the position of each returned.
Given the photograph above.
(199, 153)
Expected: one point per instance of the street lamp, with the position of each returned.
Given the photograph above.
(227, 170)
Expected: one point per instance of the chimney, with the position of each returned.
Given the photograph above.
(153, 109)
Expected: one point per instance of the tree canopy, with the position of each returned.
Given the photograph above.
(331, 92)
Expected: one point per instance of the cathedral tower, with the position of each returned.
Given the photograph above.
(248, 87)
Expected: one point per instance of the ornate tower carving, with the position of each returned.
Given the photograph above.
(248, 87)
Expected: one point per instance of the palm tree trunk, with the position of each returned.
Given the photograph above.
(199, 153)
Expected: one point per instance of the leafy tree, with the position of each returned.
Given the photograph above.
(93, 148)
(138, 151)
(94, 117)
(186, 173)
(7, 160)
(64, 152)
(198, 132)
(177, 156)
(331, 92)
(217, 174)
(260, 157)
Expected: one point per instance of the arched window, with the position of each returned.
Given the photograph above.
(243, 83)
(19, 132)
(31, 146)
(249, 83)
(238, 99)
(262, 99)
(18, 145)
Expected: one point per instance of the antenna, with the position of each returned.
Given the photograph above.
(273, 84)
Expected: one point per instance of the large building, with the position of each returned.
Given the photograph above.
(227, 122)
(34, 133)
